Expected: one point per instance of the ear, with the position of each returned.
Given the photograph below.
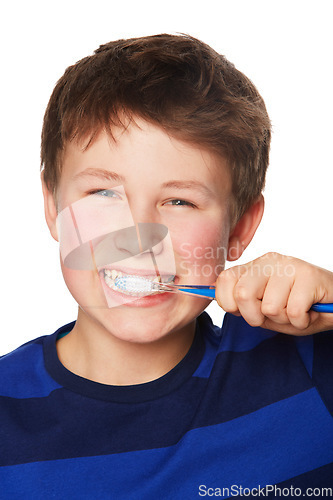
(245, 229)
(50, 209)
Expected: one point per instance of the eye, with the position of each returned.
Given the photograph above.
(105, 193)
(180, 203)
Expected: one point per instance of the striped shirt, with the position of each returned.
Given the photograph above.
(246, 408)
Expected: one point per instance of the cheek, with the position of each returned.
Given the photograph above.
(201, 251)
(85, 287)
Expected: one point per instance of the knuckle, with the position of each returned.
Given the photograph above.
(242, 293)
(294, 311)
(272, 256)
(270, 309)
(226, 275)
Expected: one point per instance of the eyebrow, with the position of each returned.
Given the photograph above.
(172, 184)
(101, 173)
(175, 184)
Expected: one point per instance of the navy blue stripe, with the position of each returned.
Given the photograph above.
(317, 478)
(71, 425)
(305, 349)
(296, 433)
(278, 373)
(237, 335)
(322, 367)
(250, 380)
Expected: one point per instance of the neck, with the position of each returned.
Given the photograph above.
(94, 353)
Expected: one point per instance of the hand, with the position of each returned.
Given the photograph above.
(276, 292)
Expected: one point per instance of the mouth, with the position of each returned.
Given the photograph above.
(135, 282)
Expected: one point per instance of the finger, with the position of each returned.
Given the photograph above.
(290, 329)
(275, 299)
(248, 293)
(299, 303)
(224, 287)
(225, 284)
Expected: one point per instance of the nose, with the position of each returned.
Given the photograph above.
(141, 238)
(147, 231)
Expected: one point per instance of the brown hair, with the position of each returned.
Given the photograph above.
(174, 81)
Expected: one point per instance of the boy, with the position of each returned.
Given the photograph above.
(154, 153)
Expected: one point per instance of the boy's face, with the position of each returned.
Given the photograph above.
(163, 181)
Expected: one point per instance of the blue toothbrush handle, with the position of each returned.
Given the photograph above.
(206, 292)
(321, 307)
(210, 293)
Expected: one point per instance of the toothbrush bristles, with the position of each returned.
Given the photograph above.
(139, 285)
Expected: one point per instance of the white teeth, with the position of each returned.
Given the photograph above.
(109, 283)
(110, 275)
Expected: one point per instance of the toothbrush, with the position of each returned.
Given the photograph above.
(140, 287)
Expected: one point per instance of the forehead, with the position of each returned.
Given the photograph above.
(146, 150)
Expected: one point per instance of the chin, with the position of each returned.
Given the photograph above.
(143, 325)
(135, 326)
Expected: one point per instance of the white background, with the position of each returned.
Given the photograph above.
(285, 47)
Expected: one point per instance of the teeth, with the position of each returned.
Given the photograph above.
(110, 283)
(110, 276)
(112, 273)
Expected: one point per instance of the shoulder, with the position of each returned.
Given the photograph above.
(249, 346)
(23, 373)
(239, 335)
(20, 358)
(298, 361)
